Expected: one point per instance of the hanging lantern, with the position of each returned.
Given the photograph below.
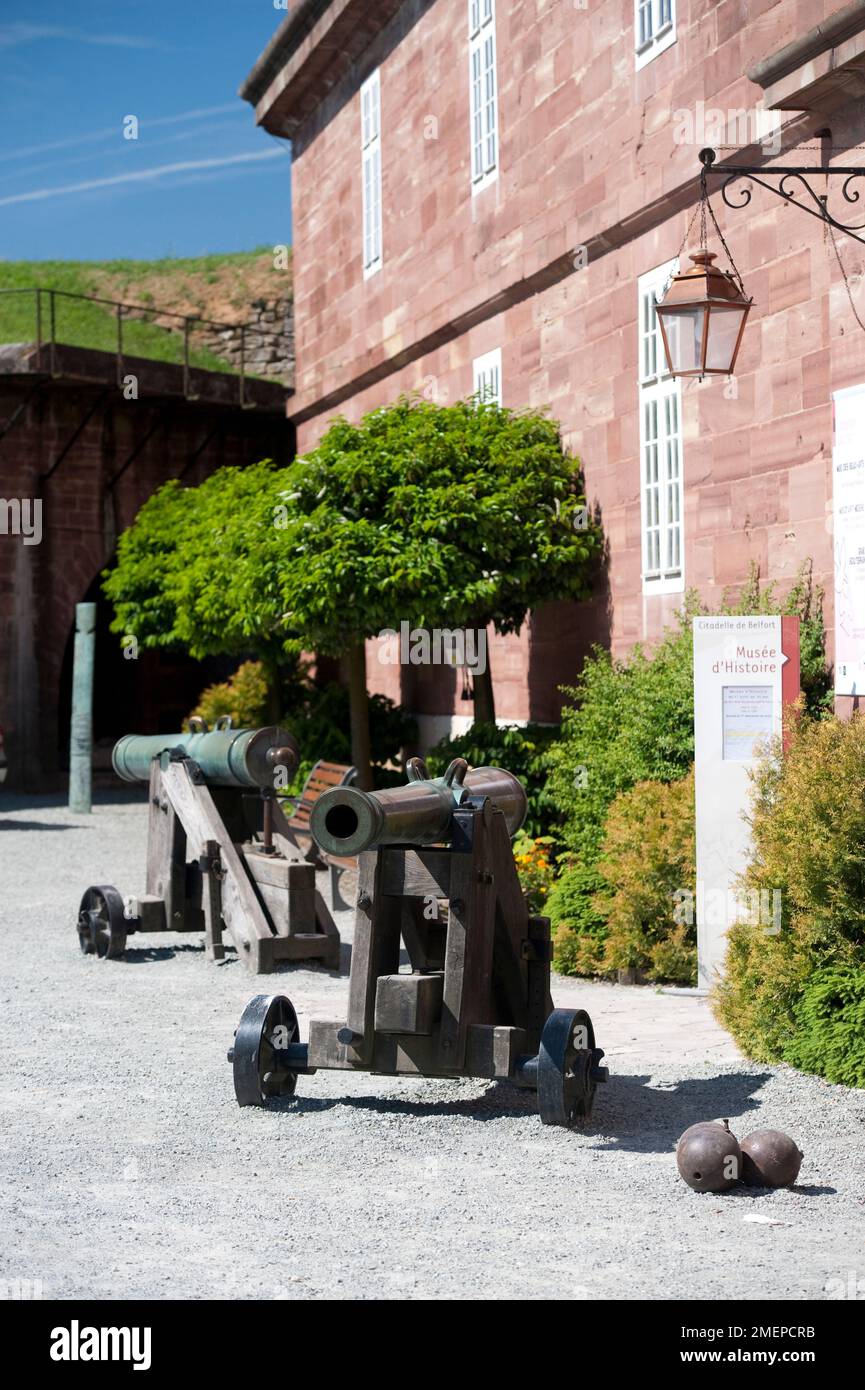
(702, 317)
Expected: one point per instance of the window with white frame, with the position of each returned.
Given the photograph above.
(654, 28)
(483, 93)
(488, 377)
(370, 122)
(660, 403)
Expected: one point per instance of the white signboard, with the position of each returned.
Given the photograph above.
(848, 499)
(738, 705)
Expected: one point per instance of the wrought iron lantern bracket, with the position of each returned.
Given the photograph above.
(791, 184)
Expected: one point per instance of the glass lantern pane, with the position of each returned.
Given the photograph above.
(724, 325)
(684, 329)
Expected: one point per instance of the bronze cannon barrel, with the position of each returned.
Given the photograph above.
(227, 757)
(345, 820)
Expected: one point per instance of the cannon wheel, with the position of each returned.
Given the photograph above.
(102, 925)
(568, 1069)
(258, 1076)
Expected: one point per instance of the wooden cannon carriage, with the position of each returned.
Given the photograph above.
(220, 854)
(436, 881)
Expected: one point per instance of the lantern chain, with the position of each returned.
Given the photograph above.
(705, 206)
(672, 275)
(725, 246)
(704, 199)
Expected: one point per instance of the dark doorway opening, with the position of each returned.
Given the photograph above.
(151, 693)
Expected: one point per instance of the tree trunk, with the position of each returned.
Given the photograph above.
(359, 716)
(482, 686)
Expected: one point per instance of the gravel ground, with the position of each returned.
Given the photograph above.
(127, 1169)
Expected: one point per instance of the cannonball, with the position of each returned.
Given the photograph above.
(770, 1158)
(708, 1157)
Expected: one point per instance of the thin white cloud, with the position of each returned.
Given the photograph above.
(142, 175)
(216, 130)
(13, 34)
(112, 132)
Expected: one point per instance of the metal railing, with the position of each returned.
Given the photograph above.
(46, 303)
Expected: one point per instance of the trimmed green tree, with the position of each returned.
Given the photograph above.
(446, 517)
(199, 569)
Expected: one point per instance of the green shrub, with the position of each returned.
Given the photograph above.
(647, 859)
(525, 751)
(534, 870)
(808, 836)
(632, 720)
(764, 978)
(623, 912)
(243, 696)
(830, 1027)
(318, 716)
(577, 924)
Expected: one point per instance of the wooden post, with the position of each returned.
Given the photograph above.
(81, 728)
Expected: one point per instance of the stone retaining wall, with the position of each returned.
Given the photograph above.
(268, 340)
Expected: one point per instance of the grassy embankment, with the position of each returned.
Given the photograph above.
(218, 287)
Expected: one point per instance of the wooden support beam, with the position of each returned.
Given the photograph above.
(242, 913)
(212, 903)
(166, 853)
(424, 935)
(469, 945)
(326, 925)
(416, 873)
(538, 953)
(375, 951)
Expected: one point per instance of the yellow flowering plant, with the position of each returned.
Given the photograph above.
(535, 869)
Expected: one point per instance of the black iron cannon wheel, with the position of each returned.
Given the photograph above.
(268, 1025)
(102, 925)
(568, 1067)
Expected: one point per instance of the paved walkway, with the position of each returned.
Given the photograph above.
(127, 1169)
(643, 1020)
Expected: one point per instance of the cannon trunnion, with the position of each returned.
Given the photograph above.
(220, 854)
(450, 973)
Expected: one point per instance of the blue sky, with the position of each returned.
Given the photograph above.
(200, 177)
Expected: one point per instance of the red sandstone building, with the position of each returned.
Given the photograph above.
(488, 193)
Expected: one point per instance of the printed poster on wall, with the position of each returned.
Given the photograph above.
(848, 495)
(747, 715)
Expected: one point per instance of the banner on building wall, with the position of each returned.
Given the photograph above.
(848, 503)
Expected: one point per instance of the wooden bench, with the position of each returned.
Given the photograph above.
(296, 827)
